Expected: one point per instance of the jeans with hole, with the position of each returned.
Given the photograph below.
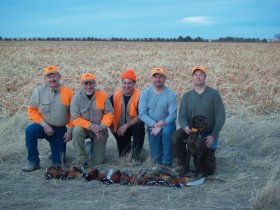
(160, 145)
(58, 147)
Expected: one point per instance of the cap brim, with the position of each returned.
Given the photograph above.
(198, 70)
(51, 73)
(87, 80)
(158, 73)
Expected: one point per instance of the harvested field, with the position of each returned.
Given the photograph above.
(247, 75)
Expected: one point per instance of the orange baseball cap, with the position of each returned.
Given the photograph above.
(87, 77)
(129, 74)
(158, 70)
(201, 68)
(50, 70)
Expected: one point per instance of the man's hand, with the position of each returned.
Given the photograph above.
(187, 130)
(67, 136)
(48, 130)
(97, 130)
(209, 141)
(160, 124)
(99, 136)
(155, 131)
(121, 131)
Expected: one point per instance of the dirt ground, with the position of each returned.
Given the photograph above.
(247, 161)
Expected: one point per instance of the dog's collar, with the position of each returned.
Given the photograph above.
(195, 130)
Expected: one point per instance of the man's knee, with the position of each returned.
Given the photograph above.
(177, 136)
(168, 130)
(34, 131)
(31, 129)
(138, 128)
(78, 131)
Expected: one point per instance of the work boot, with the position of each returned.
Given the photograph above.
(30, 167)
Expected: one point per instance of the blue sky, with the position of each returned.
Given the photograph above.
(209, 19)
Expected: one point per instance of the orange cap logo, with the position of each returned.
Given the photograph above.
(87, 77)
(50, 70)
(158, 70)
(201, 68)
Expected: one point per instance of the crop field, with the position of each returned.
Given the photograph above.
(248, 158)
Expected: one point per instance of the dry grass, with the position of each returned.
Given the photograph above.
(269, 196)
(247, 75)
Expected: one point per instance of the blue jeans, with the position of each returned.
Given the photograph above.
(34, 132)
(160, 145)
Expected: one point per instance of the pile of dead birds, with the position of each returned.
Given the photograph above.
(143, 177)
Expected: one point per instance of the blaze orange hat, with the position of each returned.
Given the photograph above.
(158, 70)
(87, 77)
(201, 68)
(50, 70)
(129, 74)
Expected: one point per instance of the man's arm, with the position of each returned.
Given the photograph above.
(108, 115)
(219, 115)
(172, 109)
(183, 115)
(121, 131)
(77, 120)
(143, 110)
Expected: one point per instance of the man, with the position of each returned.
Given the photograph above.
(126, 122)
(201, 100)
(92, 114)
(158, 109)
(50, 112)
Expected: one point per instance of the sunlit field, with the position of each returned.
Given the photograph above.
(246, 74)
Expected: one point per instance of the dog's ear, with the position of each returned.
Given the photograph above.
(202, 118)
(204, 121)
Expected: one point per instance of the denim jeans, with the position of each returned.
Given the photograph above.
(161, 146)
(34, 132)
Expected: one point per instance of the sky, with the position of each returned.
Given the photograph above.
(209, 19)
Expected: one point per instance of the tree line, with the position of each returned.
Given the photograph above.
(158, 39)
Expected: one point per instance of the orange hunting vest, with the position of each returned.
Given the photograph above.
(132, 106)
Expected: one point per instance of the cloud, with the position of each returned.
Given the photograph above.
(197, 20)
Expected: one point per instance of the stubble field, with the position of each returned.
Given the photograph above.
(248, 157)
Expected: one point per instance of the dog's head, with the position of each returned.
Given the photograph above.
(198, 123)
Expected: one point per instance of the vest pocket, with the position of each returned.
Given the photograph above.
(45, 107)
(98, 115)
(85, 113)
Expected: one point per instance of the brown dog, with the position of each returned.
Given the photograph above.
(204, 159)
